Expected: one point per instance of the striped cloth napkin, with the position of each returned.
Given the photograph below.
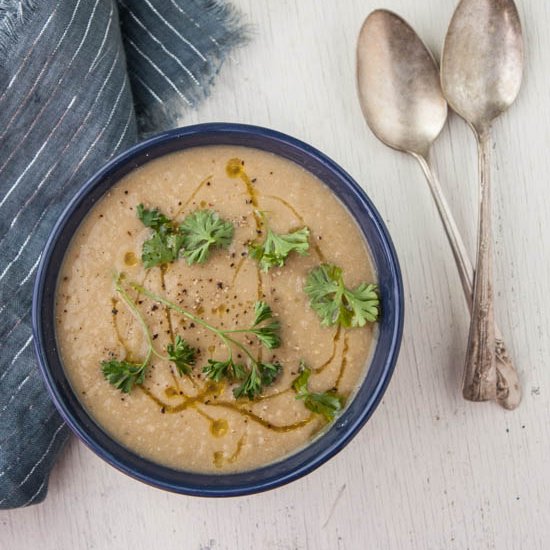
(80, 80)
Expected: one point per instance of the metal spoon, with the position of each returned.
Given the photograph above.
(401, 98)
(481, 72)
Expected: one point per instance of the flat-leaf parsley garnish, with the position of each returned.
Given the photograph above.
(193, 238)
(203, 230)
(255, 375)
(276, 247)
(328, 404)
(166, 241)
(123, 374)
(182, 355)
(337, 304)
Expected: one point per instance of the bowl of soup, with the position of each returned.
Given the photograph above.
(218, 311)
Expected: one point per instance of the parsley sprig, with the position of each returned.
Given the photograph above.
(328, 404)
(203, 230)
(193, 239)
(276, 247)
(256, 374)
(123, 374)
(182, 355)
(165, 243)
(337, 304)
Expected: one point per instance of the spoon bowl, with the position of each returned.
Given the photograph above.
(482, 61)
(398, 84)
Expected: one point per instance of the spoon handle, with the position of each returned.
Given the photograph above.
(508, 387)
(480, 377)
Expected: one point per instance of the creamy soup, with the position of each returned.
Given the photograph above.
(108, 307)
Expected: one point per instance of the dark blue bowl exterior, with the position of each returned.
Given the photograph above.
(368, 395)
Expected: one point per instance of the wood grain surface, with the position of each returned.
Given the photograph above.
(429, 470)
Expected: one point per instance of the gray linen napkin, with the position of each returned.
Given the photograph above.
(79, 79)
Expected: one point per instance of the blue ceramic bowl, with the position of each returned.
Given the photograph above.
(366, 398)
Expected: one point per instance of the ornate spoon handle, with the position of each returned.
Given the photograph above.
(508, 390)
(480, 375)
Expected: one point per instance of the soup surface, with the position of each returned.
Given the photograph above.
(108, 307)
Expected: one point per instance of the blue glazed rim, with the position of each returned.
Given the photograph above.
(366, 398)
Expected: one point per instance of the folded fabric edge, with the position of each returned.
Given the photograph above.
(13, 15)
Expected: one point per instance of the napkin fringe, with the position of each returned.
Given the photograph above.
(236, 33)
(13, 16)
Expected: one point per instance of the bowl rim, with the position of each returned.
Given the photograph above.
(348, 430)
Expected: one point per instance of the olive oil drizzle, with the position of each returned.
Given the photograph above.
(235, 169)
(207, 397)
(344, 361)
(273, 395)
(237, 270)
(335, 340)
(219, 457)
(193, 195)
(259, 420)
(167, 314)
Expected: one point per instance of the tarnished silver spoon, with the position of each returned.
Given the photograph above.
(481, 72)
(401, 98)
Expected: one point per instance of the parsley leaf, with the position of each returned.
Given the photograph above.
(262, 312)
(268, 334)
(202, 230)
(269, 372)
(336, 304)
(259, 375)
(161, 248)
(166, 241)
(274, 251)
(151, 218)
(216, 370)
(123, 375)
(182, 355)
(328, 404)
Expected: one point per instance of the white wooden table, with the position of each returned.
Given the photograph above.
(429, 470)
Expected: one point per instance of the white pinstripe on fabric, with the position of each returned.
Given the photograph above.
(159, 70)
(27, 277)
(100, 49)
(35, 158)
(68, 181)
(17, 323)
(41, 486)
(143, 83)
(39, 77)
(183, 12)
(31, 271)
(29, 435)
(74, 136)
(162, 46)
(14, 395)
(52, 95)
(40, 460)
(16, 356)
(31, 49)
(10, 264)
(176, 32)
(125, 129)
(81, 127)
(7, 268)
